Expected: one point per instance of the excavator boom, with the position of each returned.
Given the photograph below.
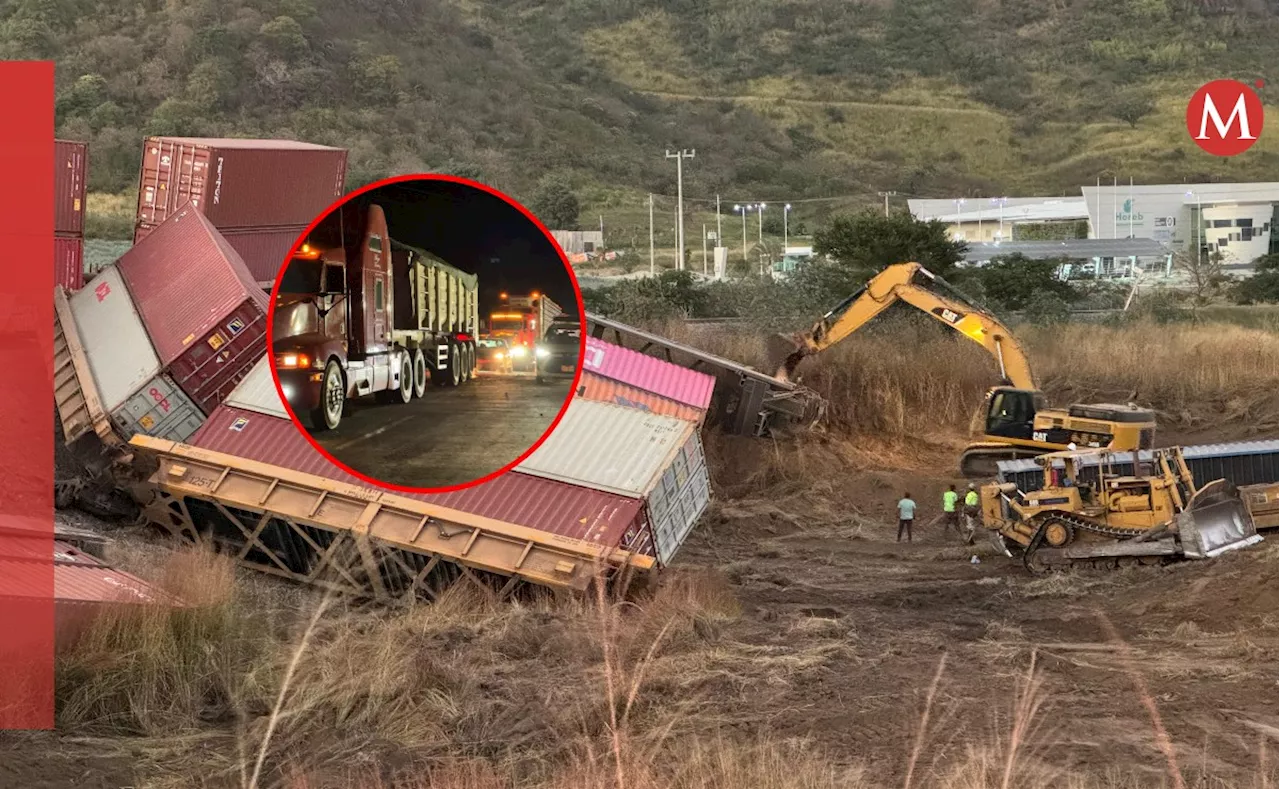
(913, 284)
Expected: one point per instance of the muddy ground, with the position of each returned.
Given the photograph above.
(842, 631)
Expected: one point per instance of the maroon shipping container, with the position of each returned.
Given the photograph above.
(238, 183)
(68, 261)
(204, 313)
(521, 499)
(264, 251)
(70, 161)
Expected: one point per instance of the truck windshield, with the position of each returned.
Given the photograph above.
(302, 276)
(507, 324)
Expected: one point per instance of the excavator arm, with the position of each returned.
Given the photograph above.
(913, 284)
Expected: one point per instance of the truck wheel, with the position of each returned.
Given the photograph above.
(419, 373)
(333, 398)
(464, 364)
(404, 392)
(453, 372)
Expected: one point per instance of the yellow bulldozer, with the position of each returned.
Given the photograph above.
(1017, 422)
(1106, 508)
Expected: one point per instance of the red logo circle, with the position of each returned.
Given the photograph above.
(1224, 117)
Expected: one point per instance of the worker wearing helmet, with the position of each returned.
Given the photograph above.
(970, 513)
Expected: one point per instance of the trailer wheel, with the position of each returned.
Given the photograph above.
(404, 392)
(453, 372)
(464, 364)
(333, 398)
(419, 373)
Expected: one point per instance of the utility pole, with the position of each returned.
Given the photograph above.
(719, 237)
(704, 249)
(743, 209)
(652, 267)
(680, 156)
(786, 209)
(760, 219)
(1115, 190)
(886, 196)
(1131, 206)
(602, 231)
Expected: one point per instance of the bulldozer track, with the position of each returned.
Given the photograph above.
(1078, 524)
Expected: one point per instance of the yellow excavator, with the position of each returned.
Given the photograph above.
(1017, 422)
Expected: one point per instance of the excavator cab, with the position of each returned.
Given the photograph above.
(1011, 412)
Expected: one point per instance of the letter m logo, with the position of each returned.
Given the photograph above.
(1224, 117)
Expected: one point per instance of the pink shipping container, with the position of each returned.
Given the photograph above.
(68, 261)
(238, 183)
(203, 311)
(70, 161)
(83, 587)
(521, 499)
(606, 390)
(645, 372)
(264, 250)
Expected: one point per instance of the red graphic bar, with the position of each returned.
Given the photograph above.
(26, 396)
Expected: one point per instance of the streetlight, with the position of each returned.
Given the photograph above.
(743, 209)
(1199, 226)
(959, 227)
(1000, 201)
(786, 209)
(760, 217)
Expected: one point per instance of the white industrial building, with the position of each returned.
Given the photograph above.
(1238, 221)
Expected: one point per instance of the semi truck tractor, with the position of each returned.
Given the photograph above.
(359, 314)
(523, 321)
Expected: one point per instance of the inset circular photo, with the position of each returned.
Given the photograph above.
(427, 333)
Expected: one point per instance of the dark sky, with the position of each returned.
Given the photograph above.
(469, 228)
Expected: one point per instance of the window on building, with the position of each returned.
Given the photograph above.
(1246, 234)
(1244, 222)
(1222, 223)
(1222, 242)
(588, 246)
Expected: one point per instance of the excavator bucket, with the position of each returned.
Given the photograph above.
(784, 353)
(1215, 527)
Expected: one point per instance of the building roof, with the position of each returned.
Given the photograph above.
(1253, 192)
(933, 208)
(1049, 211)
(1073, 248)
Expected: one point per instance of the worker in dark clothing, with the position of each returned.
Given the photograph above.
(906, 514)
(970, 513)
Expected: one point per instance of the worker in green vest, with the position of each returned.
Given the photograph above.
(970, 513)
(951, 509)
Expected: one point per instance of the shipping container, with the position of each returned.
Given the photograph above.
(656, 458)
(121, 357)
(204, 313)
(605, 390)
(258, 392)
(238, 183)
(642, 371)
(68, 262)
(70, 161)
(161, 410)
(83, 587)
(546, 505)
(264, 250)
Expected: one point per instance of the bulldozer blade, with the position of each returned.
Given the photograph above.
(1214, 529)
(784, 354)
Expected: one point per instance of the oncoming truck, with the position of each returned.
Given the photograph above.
(359, 314)
(522, 321)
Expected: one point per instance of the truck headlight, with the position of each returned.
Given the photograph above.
(518, 352)
(543, 353)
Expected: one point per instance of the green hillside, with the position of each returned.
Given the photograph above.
(781, 98)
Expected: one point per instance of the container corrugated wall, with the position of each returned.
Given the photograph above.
(161, 410)
(609, 447)
(238, 183)
(1241, 463)
(186, 280)
(70, 161)
(263, 250)
(115, 341)
(68, 262)
(645, 372)
(680, 498)
(605, 390)
(257, 392)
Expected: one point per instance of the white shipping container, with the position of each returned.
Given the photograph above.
(120, 352)
(658, 459)
(161, 410)
(609, 447)
(257, 392)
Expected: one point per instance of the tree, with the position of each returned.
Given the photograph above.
(1263, 286)
(1204, 277)
(861, 245)
(1016, 283)
(1132, 106)
(555, 204)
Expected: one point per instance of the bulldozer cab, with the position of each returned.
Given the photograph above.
(1011, 413)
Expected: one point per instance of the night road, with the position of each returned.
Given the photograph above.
(450, 436)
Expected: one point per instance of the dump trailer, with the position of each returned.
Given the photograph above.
(358, 314)
(557, 353)
(523, 321)
(1127, 510)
